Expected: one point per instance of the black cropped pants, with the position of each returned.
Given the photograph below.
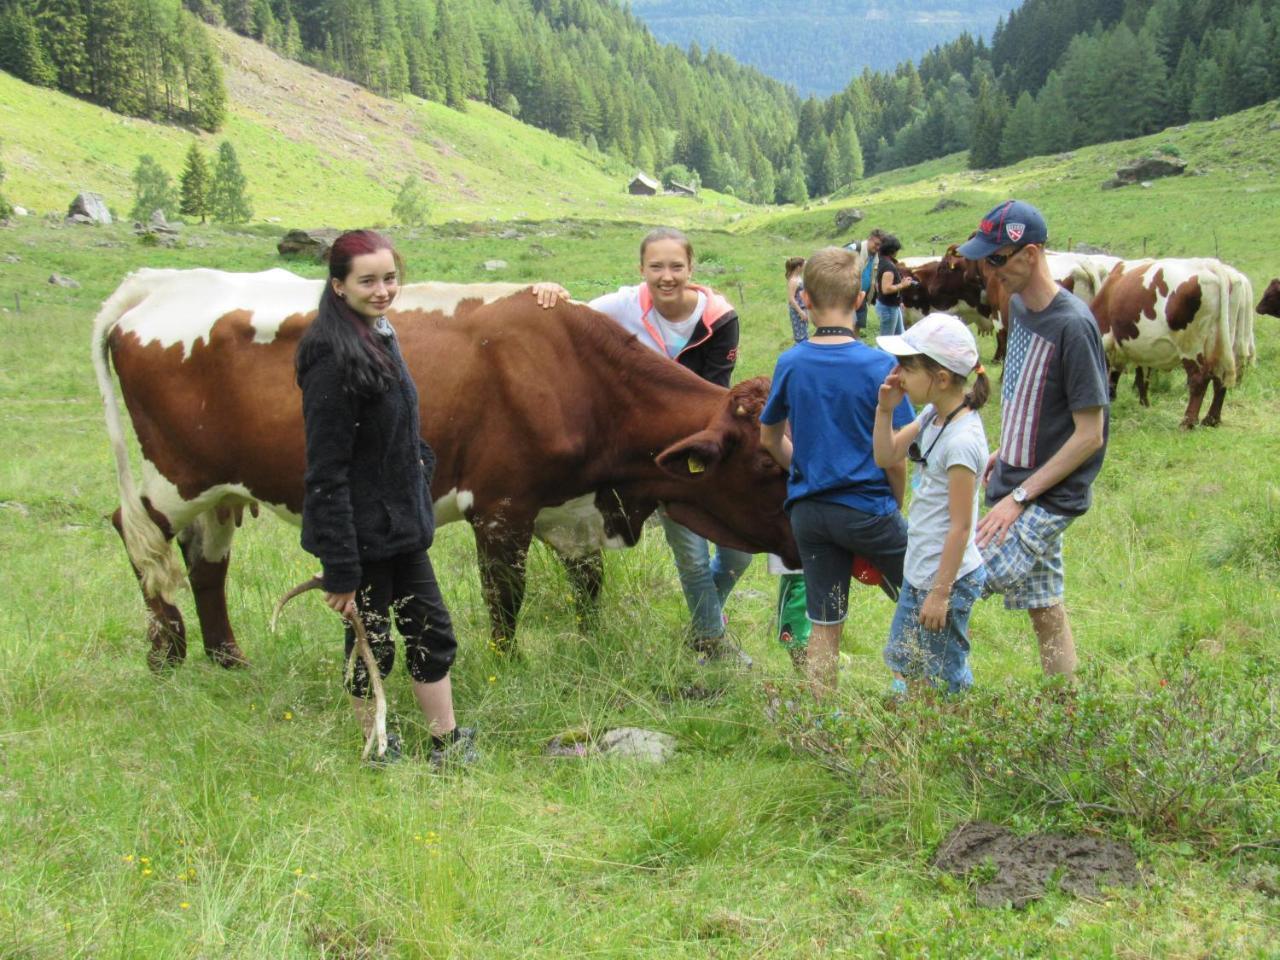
(404, 589)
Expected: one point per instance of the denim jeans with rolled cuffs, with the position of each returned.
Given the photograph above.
(939, 656)
(891, 322)
(705, 579)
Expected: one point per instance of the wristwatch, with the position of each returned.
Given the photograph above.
(1020, 495)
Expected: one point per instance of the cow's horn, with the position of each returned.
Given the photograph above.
(741, 411)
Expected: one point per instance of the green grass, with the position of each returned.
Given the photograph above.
(244, 791)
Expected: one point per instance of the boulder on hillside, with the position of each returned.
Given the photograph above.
(308, 243)
(1147, 169)
(492, 265)
(846, 218)
(88, 208)
(638, 744)
(58, 280)
(945, 203)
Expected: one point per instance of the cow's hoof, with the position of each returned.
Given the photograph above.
(1187, 425)
(228, 656)
(1210, 422)
(164, 659)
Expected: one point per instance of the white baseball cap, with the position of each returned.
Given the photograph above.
(939, 336)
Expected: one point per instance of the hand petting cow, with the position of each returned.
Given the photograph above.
(545, 423)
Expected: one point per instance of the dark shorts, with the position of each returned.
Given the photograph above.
(829, 535)
(402, 589)
(860, 318)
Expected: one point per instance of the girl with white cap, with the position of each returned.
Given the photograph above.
(943, 572)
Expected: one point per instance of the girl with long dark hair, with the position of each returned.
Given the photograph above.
(367, 511)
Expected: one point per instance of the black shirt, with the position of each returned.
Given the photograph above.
(367, 485)
(891, 268)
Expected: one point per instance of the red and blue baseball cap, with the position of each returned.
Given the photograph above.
(1013, 223)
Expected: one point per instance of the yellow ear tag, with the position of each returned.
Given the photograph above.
(696, 465)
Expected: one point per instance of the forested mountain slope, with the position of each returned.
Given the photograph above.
(317, 149)
(817, 45)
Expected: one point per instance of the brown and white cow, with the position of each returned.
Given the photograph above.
(1197, 314)
(949, 283)
(548, 423)
(1270, 302)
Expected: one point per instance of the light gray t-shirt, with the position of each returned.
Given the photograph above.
(963, 443)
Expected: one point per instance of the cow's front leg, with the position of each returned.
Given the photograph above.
(1114, 381)
(206, 547)
(586, 577)
(166, 632)
(1214, 416)
(502, 547)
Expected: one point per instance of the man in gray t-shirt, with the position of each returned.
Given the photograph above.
(1053, 427)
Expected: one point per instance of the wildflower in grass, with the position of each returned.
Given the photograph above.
(127, 858)
(146, 871)
(288, 715)
(144, 859)
(493, 679)
(298, 871)
(184, 905)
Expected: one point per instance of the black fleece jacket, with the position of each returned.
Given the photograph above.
(368, 479)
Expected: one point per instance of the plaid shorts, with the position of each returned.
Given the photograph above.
(1027, 566)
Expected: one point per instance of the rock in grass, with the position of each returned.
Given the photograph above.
(88, 208)
(58, 280)
(638, 744)
(492, 265)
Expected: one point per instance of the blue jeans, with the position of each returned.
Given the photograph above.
(860, 318)
(706, 580)
(891, 323)
(938, 655)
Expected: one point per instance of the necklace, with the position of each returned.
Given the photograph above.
(913, 452)
(833, 332)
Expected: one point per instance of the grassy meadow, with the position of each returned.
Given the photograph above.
(207, 813)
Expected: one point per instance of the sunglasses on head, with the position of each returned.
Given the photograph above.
(1000, 259)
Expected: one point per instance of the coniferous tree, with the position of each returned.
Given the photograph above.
(152, 190)
(64, 31)
(1206, 101)
(22, 50)
(1055, 119)
(1182, 84)
(194, 200)
(989, 111)
(228, 193)
(849, 148)
(1255, 59)
(1018, 140)
(791, 186)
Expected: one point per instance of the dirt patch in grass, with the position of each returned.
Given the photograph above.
(1026, 866)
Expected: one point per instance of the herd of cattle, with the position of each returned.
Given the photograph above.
(1153, 314)
(553, 424)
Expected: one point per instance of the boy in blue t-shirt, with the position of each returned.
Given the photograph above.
(840, 503)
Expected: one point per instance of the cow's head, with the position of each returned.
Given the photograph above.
(727, 488)
(1270, 302)
(951, 280)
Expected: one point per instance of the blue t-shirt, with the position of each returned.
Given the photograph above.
(828, 392)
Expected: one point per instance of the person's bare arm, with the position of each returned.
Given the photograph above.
(774, 439)
(1085, 440)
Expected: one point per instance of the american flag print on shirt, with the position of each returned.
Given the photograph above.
(1026, 371)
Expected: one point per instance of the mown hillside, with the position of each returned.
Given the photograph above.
(316, 148)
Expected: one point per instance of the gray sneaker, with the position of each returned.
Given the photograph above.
(459, 754)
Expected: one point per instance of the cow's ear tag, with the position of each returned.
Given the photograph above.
(696, 465)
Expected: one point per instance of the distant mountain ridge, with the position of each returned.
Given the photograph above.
(819, 45)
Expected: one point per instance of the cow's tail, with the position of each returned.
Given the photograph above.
(1244, 346)
(149, 549)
